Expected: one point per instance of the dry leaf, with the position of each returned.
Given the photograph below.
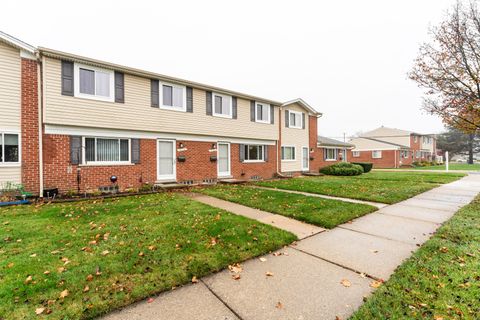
(444, 249)
(10, 265)
(237, 268)
(346, 283)
(269, 274)
(105, 252)
(152, 248)
(375, 284)
(150, 300)
(28, 280)
(262, 259)
(39, 311)
(86, 289)
(374, 251)
(89, 277)
(438, 317)
(194, 279)
(276, 254)
(46, 272)
(64, 294)
(236, 277)
(61, 269)
(141, 254)
(33, 255)
(279, 305)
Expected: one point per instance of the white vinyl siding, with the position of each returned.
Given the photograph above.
(254, 153)
(106, 151)
(137, 114)
(288, 153)
(222, 105)
(93, 83)
(173, 97)
(376, 154)
(262, 112)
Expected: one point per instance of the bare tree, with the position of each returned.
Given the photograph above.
(448, 67)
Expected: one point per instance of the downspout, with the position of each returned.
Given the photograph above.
(41, 102)
(279, 142)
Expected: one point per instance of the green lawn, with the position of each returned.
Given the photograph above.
(106, 254)
(454, 166)
(440, 281)
(385, 187)
(321, 212)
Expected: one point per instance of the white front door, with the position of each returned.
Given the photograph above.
(223, 155)
(166, 160)
(305, 159)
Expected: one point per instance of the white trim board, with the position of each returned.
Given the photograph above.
(85, 131)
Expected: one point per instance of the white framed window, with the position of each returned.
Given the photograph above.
(262, 112)
(376, 154)
(404, 154)
(254, 153)
(288, 153)
(106, 150)
(173, 97)
(222, 105)
(94, 83)
(9, 149)
(356, 154)
(295, 119)
(331, 154)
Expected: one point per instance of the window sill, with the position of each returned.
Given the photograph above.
(10, 165)
(107, 164)
(253, 161)
(222, 116)
(96, 98)
(264, 122)
(291, 127)
(293, 160)
(330, 159)
(173, 108)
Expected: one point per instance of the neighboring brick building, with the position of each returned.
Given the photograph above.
(393, 148)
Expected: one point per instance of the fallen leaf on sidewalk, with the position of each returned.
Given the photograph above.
(262, 259)
(276, 254)
(346, 283)
(279, 305)
(150, 300)
(375, 284)
(237, 268)
(194, 279)
(236, 277)
(269, 274)
(374, 251)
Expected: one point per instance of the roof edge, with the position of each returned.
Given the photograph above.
(302, 102)
(17, 43)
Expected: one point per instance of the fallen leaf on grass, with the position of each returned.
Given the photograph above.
(444, 249)
(46, 272)
(141, 254)
(105, 252)
(152, 248)
(375, 284)
(39, 311)
(10, 265)
(89, 277)
(346, 283)
(64, 294)
(28, 280)
(33, 255)
(86, 289)
(269, 274)
(61, 269)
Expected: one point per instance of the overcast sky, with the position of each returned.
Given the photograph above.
(348, 59)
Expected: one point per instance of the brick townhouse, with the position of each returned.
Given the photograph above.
(393, 148)
(72, 122)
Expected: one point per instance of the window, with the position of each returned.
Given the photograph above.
(254, 152)
(94, 83)
(356, 154)
(262, 112)
(331, 154)
(404, 154)
(418, 154)
(174, 97)
(288, 153)
(415, 139)
(105, 150)
(222, 105)
(376, 154)
(295, 120)
(9, 148)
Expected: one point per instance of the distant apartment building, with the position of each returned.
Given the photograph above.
(393, 148)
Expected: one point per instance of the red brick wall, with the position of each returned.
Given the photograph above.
(387, 160)
(29, 126)
(59, 173)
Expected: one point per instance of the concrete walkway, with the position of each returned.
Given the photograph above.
(323, 276)
(375, 204)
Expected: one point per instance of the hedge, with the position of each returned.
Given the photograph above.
(343, 169)
(367, 166)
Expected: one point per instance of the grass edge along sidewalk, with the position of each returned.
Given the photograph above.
(440, 281)
(326, 213)
(383, 187)
(82, 260)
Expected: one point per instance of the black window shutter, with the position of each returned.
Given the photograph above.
(242, 152)
(303, 120)
(119, 87)
(272, 114)
(252, 111)
(287, 120)
(234, 107)
(209, 102)
(189, 99)
(135, 146)
(265, 153)
(75, 149)
(154, 93)
(67, 78)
